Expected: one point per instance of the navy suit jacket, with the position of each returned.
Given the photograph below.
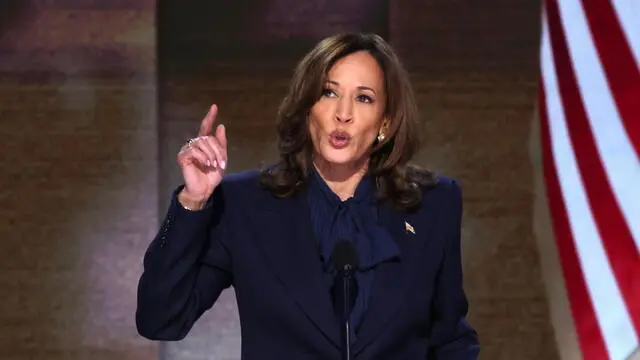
(263, 246)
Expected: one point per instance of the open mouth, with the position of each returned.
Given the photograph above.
(339, 139)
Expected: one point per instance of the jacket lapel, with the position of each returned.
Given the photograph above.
(285, 236)
(392, 279)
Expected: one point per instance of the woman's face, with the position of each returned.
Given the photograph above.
(345, 121)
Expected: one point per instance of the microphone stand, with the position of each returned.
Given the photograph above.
(347, 278)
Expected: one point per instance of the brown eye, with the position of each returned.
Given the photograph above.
(365, 99)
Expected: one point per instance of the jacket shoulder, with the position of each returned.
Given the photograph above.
(446, 191)
(244, 187)
(243, 178)
(444, 185)
(241, 184)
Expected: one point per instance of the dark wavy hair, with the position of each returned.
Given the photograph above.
(396, 180)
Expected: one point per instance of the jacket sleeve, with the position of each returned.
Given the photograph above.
(452, 337)
(185, 268)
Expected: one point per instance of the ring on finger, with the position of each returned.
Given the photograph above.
(191, 141)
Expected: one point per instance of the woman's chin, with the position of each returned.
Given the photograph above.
(340, 158)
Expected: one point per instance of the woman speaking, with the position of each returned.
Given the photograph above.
(341, 238)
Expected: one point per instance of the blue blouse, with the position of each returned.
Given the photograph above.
(354, 220)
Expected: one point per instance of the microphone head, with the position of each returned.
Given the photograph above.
(343, 254)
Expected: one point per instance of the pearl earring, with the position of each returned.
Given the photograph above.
(381, 137)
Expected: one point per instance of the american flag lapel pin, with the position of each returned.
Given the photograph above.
(409, 228)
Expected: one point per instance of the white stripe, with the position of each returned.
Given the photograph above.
(628, 12)
(619, 335)
(620, 160)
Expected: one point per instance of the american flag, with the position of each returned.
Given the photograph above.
(589, 109)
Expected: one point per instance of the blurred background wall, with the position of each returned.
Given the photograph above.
(79, 184)
(97, 97)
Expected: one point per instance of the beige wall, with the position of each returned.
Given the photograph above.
(79, 176)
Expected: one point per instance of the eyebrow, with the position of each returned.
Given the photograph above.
(359, 87)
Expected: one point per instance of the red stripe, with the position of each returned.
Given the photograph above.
(614, 232)
(584, 316)
(623, 74)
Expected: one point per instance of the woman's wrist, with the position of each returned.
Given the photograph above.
(191, 202)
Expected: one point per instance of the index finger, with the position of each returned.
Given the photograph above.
(207, 123)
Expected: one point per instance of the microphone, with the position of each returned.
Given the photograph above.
(345, 259)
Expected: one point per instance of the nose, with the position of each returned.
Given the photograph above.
(344, 110)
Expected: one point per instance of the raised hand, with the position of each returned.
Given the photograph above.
(203, 161)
